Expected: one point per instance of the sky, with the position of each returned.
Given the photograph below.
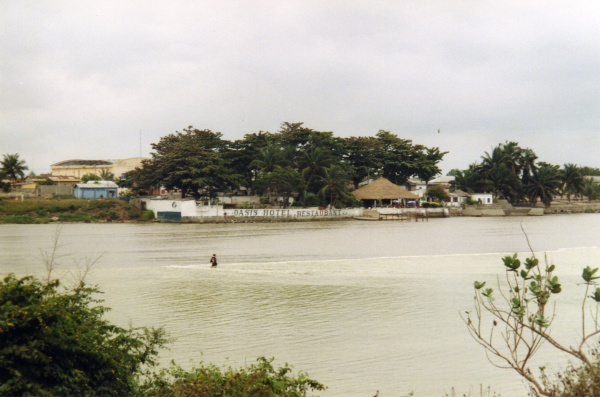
(105, 79)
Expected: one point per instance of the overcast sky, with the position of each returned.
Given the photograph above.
(104, 79)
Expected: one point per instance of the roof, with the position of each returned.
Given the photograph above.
(459, 193)
(383, 189)
(442, 180)
(81, 162)
(63, 178)
(97, 185)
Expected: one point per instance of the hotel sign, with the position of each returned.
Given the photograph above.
(288, 213)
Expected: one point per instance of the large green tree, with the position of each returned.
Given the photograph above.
(12, 167)
(400, 158)
(363, 155)
(191, 160)
(281, 182)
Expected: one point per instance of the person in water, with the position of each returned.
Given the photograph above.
(213, 261)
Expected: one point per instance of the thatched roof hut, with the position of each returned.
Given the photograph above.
(383, 189)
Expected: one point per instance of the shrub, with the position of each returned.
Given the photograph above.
(21, 219)
(260, 379)
(310, 200)
(470, 201)
(148, 215)
(113, 215)
(430, 204)
(55, 342)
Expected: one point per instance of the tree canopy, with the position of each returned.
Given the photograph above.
(201, 162)
(513, 173)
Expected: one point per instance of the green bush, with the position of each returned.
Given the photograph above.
(310, 200)
(470, 201)
(55, 342)
(22, 219)
(113, 215)
(260, 379)
(134, 214)
(148, 215)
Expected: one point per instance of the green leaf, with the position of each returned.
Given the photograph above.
(530, 263)
(479, 285)
(588, 274)
(596, 295)
(488, 293)
(511, 263)
(551, 269)
(542, 321)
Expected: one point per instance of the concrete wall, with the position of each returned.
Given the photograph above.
(197, 212)
(59, 189)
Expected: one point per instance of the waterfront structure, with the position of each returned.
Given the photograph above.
(483, 198)
(458, 198)
(96, 190)
(385, 191)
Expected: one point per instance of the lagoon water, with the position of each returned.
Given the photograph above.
(359, 306)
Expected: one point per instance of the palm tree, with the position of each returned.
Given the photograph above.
(467, 180)
(313, 164)
(544, 183)
(269, 158)
(573, 181)
(501, 181)
(12, 167)
(334, 183)
(591, 190)
(106, 175)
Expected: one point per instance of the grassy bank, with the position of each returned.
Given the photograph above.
(67, 210)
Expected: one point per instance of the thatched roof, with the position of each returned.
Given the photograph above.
(383, 189)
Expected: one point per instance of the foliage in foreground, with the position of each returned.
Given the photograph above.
(513, 329)
(259, 379)
(54, 341)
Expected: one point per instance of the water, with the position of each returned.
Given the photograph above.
(360, 306)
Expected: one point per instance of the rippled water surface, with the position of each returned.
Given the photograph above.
(360, 306)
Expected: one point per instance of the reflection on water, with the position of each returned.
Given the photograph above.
(360, 306)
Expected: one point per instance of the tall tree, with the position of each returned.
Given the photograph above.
(591, 190)
(544, 184)
(573, 181)
(192, 161)
(12, 167)
(281, 181)
(427, 165)
(468, 180)
(334, 182)
(399, 157)
(363, 155)
(313, 164)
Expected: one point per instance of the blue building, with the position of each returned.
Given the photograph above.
(96, 190)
